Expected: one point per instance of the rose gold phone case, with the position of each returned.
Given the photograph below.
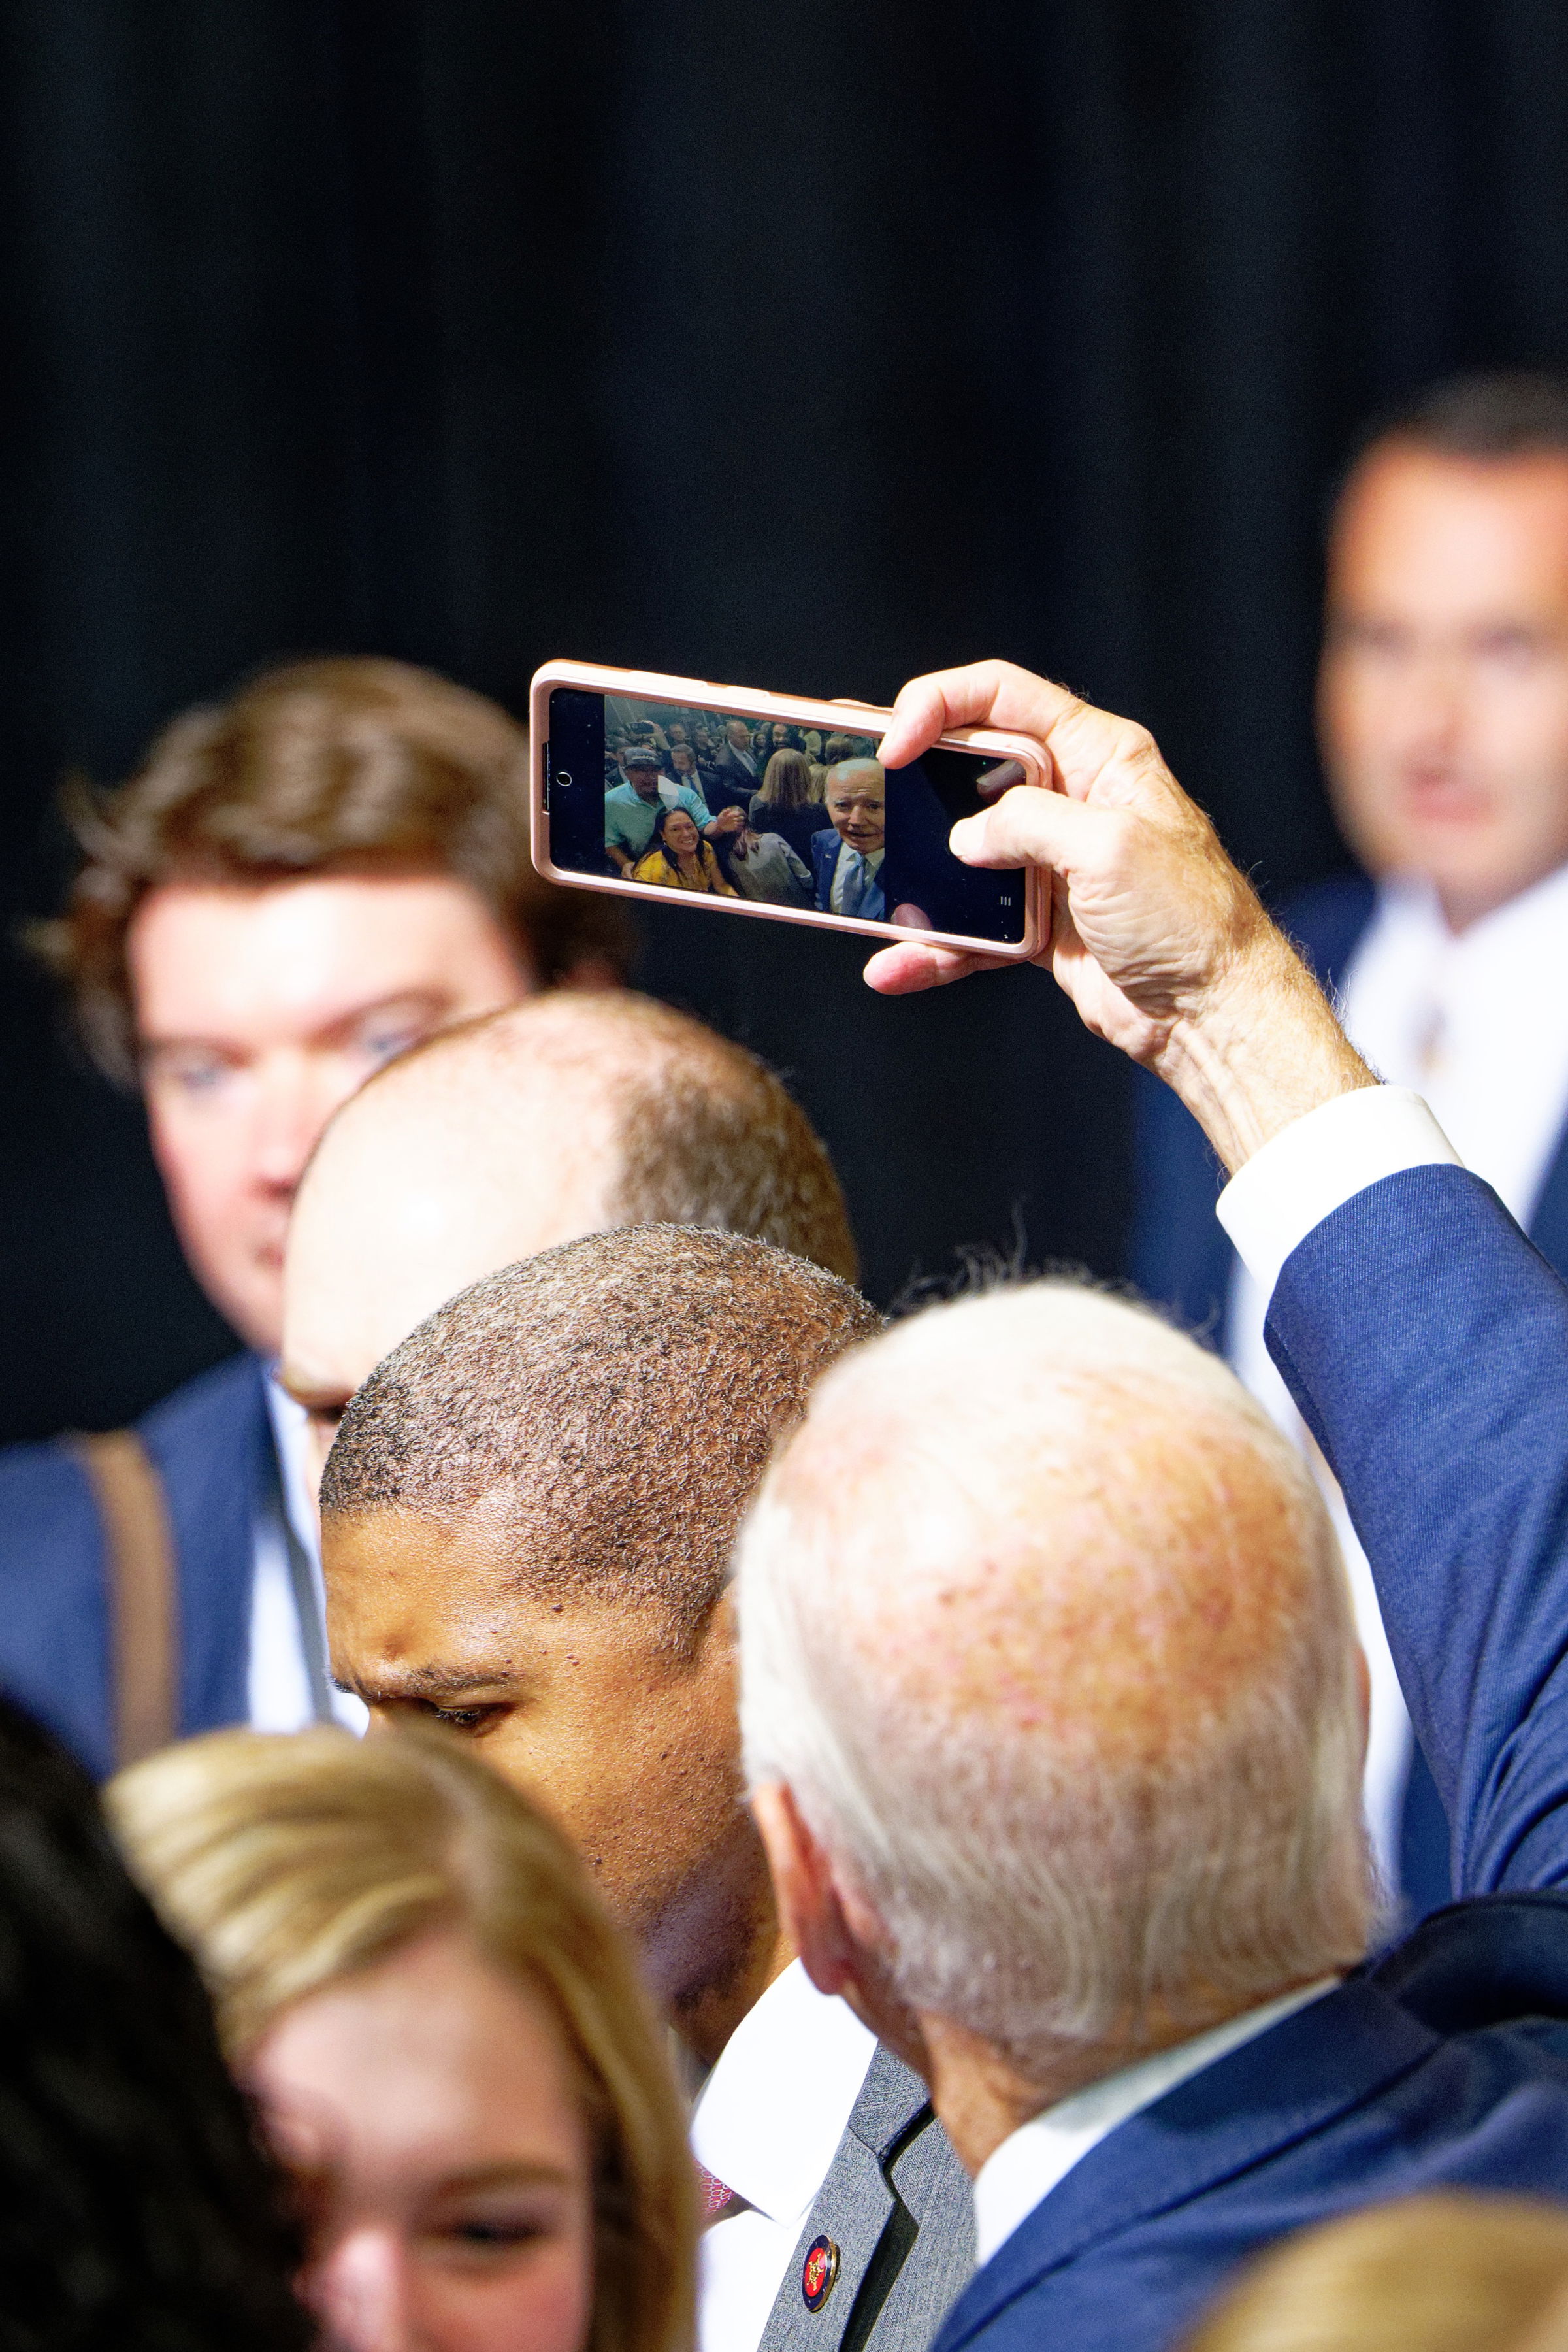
(801, 710)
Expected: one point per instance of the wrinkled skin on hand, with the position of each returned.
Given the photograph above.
(1161, 944)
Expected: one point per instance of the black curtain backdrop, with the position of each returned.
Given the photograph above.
(806, 345)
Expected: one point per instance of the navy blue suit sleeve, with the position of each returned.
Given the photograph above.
(54, 1606)
(1425, 1341)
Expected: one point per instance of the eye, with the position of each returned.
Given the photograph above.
(196, 1076)
(488, 2239)
(473, 1721)
(1513, 649)
(383, 1040)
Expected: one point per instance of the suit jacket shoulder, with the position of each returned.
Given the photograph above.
(1446, 2071)
(207, 1442)
(1177, 1252)
(896, 2205)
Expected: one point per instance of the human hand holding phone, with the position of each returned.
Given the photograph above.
(730, 801)
(1161, 944)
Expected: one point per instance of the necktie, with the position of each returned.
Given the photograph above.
(854, 882)
(714, 2196)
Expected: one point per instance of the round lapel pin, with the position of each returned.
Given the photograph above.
(821, 2268)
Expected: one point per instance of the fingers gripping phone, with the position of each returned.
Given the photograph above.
(755, 803)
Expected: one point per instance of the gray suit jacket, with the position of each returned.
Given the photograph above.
(896, 2204)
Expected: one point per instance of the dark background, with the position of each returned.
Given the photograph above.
(808, 346)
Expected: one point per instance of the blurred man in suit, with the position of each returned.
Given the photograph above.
(526, 1516)
(1443, 709)
(297, 884)
(1063, 1780)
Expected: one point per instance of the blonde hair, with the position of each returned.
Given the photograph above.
(288, 1863)
(786, 780)
(1441, 2274)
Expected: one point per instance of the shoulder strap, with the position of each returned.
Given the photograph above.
(140, 1555)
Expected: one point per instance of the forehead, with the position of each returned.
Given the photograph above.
(292, 956)
(1423, 527)
(417, 1607)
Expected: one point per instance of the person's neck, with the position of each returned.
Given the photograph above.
(982, 2097)
(738, 1948)
(1460, 909)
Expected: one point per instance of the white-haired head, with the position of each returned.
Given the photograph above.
(1043, 1625)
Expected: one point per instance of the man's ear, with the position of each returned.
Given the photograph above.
(830, 1925)
(842, 1941)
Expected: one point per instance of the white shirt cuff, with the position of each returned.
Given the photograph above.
(1317, 1163)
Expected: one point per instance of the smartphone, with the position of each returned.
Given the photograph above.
(773, 804)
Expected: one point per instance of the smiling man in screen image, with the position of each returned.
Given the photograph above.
(297, 884)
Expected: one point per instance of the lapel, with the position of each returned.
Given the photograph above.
(1261, 2099)
(851, 2209)
(1549, 1224)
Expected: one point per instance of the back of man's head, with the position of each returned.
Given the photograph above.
(1042, 1624)
(566, 1114)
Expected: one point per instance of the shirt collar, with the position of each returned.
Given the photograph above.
(1523, 926)
(774, 2106)
(1030, 2161)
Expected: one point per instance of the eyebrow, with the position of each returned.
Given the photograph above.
(433, 1681)
(181, 1040)
(505, 2175)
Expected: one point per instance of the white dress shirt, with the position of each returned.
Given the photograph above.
(1016, 2177)
(770, 2116)
(278, 1695)
(1318, 1164)
(1440, 1012)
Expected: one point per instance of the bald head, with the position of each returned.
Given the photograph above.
(1043, 1626)
(566, 1116)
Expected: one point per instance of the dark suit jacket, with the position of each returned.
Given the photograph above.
(731, 768)
(212, 1444)
(825, 848)
(897, 2206)
(1426, 1344)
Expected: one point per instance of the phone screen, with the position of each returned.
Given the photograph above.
(680, 798)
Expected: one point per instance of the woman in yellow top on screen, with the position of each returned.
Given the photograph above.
(680, 859)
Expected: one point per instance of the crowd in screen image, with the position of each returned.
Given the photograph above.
(1038, 1820)
(733, 809)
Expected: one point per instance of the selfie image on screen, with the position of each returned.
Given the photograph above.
(699, 801)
